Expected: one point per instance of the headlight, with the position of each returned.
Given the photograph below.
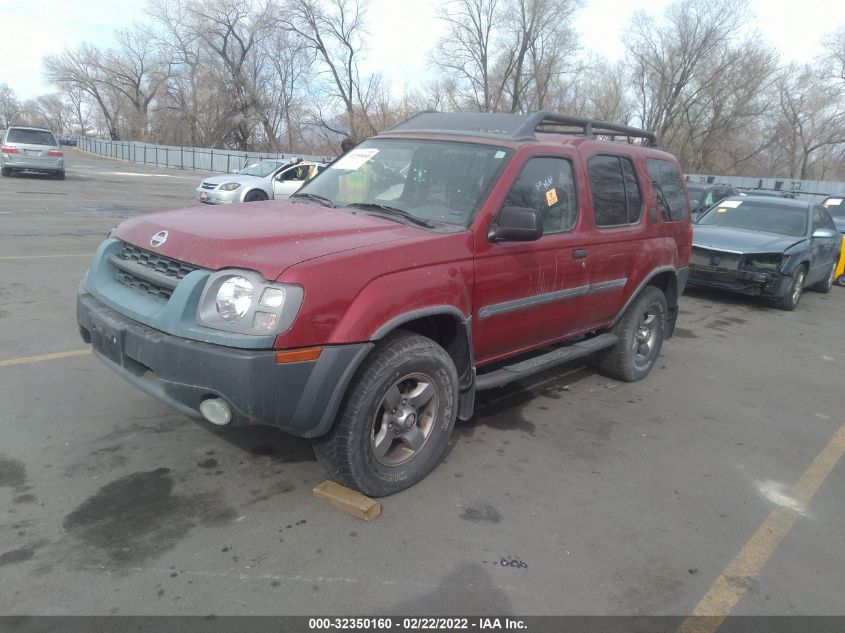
(230, 186)
(234, 298)
(243, 302)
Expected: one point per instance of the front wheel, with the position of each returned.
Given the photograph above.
(790, 300)
(826, 284)
(396, 418)
(256, 195)
(641, 332)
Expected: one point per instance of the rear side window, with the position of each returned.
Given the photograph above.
(31, 137)
(616, 192)
(548, 185)
(666, 180)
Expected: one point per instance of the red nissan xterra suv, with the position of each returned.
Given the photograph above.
(450, 254)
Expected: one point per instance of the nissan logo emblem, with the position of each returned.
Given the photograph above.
(158, 239)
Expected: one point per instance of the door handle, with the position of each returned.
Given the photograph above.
(579, 253)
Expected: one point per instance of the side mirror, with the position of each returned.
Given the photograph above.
(824, 233)
(516, 224)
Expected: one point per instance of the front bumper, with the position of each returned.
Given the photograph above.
(300, 398)
(215, 196)
(748, 282)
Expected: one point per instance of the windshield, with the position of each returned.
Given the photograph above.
(31, 137)
(835, 207)
(434, 181)
(262, 168)
(769, 217)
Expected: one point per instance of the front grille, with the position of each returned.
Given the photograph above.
(149, 273)
(208, 185)
(715, 259)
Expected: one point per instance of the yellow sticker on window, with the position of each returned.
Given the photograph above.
(551, 197)
(721, 210)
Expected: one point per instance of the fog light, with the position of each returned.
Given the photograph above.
(216, 411)
(264, 321)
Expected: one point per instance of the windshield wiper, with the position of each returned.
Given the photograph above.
(326, 202)
(371, 206)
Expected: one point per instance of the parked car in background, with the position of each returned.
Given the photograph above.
(767, 246)
(453, 253)
(258, 180)
(835, 206)
(31, 149)
(702, 197)
(769, 193)
(66, 139)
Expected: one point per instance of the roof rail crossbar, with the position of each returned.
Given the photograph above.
(589, 127)
(515, 127)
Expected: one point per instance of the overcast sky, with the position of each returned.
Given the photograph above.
(402, 32)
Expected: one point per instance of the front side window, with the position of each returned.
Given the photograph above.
(666, 180)
(430, 182)
(548, 185)
(616, 192)
(261, 169)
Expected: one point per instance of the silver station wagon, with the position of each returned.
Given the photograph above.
(31, 149)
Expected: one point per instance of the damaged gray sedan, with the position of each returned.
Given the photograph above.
(772, 247)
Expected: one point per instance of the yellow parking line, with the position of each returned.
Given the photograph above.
(23, 360)
(10, 257)
(732, 584)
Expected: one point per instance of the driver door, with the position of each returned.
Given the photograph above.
(287, 182)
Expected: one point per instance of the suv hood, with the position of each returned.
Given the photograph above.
(741, 240)
(267, 237)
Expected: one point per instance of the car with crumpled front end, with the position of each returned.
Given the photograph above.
(765, 246)
(31, 149)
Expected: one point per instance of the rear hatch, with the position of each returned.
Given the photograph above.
(33, 147)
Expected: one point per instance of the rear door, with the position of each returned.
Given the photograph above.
(528, 294)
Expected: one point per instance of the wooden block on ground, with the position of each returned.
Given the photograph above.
(348, 501)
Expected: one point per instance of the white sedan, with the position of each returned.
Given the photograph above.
(258, 180)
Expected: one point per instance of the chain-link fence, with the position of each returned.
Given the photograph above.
(196, 158)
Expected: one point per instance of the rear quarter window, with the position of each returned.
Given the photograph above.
(666, 180)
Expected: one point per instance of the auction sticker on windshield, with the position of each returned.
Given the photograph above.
(731, 204)
(835, 202)
(355, 158)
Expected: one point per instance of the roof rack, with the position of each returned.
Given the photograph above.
(515, 127)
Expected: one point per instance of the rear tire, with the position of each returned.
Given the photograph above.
(396, 418)
(790, 301)
(60, 175)
(641, 332)
(826, 284)
(6, 172)
(256, 195)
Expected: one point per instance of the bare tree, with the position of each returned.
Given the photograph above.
(333, 30)
(10, 108)
(83, 69)
(812, 117)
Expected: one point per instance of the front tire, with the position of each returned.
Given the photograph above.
(790, 300)
(641, 332)
(256, 195)
(826, 284)
(396, 419)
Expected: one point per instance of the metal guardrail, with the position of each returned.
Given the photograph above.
(194, 158)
